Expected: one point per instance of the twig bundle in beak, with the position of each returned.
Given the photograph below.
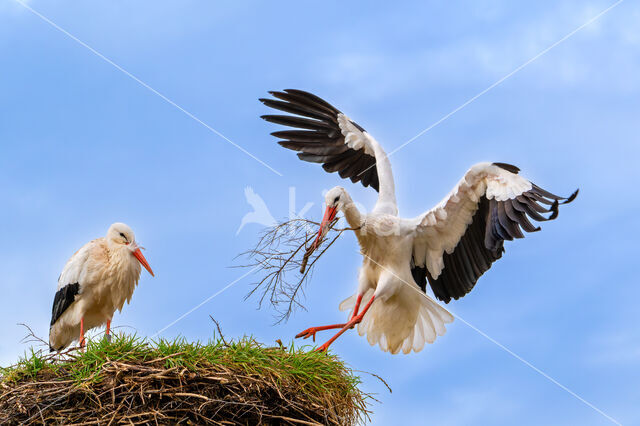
(277, 254)
(319, 240)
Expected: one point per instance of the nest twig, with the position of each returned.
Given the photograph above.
(285, 257)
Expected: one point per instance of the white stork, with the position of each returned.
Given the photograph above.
(449, 246)
(96, 281)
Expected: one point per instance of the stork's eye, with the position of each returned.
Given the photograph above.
(123, 236)
(336, 199)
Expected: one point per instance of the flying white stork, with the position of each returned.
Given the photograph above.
(96, 281)
(449, 246)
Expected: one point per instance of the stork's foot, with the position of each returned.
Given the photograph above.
(323, 348)
(108, 337)
(82, 342)
(311, 331)
(356, 319)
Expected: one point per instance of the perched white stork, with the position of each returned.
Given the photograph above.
(96, 281)
(449, 246)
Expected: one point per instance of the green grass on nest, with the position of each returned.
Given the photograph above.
(134, 380)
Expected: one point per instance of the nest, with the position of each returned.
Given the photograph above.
(133, 382)
(285, 257)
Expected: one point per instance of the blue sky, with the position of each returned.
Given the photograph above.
(82, 145)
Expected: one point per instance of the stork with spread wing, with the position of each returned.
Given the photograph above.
(449, 246)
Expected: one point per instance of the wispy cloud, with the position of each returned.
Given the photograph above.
(12, 8)
(615, 348)
(380, 71)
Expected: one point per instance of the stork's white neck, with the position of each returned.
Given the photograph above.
(350, 211)
(122, 261)
(387, 188)
(126, 269)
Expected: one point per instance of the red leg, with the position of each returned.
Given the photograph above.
(311, 332)
(82, 340)
(352, 322)
(108, 334)
(357, 307)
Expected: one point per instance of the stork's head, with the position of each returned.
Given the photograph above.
(335, 199)
(120, 235)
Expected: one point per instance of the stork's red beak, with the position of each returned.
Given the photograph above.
(138, 254)
(329, 215)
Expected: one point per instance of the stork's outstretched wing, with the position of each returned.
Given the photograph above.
(329, 137)
(459, 239)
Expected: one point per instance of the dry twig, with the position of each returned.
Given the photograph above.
(219, 330)
(286, 257)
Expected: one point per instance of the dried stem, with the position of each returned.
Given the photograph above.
(219, 331)
(286, 259)
(31, 336)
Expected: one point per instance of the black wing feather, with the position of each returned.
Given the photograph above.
(322, 140)
(62, 300)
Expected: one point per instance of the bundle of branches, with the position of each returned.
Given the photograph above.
(133, 381)
(285, 256)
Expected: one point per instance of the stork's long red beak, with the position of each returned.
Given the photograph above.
(138, 254)
(329, 215)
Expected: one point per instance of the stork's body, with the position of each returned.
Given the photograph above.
(95, 282)
(450, 245)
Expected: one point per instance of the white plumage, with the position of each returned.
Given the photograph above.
(440, 229)
(95, 282)
(449, 246)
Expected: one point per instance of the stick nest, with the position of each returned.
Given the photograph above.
(285, 258)
(135, 382)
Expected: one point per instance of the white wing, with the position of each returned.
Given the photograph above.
(72, 278)
(458, 240)
(75, 268)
